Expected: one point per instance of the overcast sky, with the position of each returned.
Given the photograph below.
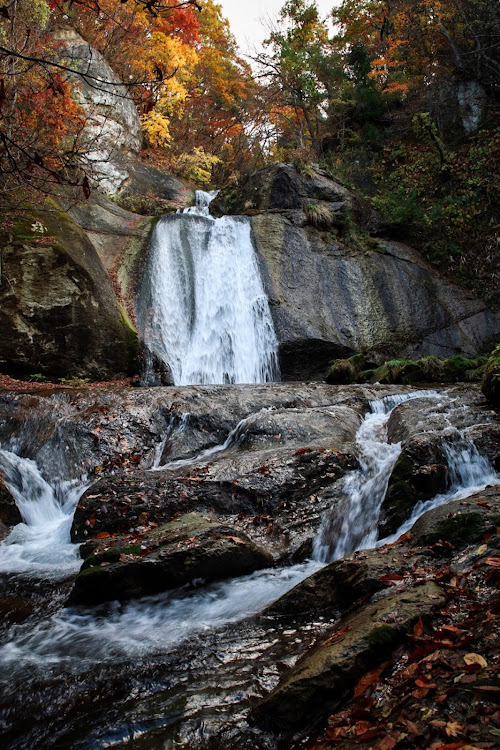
(248, 17)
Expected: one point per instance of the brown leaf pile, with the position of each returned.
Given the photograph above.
(440, 690)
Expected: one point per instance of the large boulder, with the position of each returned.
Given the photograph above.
(335, 291)
(186, 549)
(325, 677)
(58, 312)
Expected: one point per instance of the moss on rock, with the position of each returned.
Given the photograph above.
(430, 369)
(490, 384)
(344, 371)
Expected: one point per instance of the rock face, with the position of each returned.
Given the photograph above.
(112, 126)
(491, 380)
(58, 312)
(333, 292)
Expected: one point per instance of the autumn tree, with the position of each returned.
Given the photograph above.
(303, 72)
(40, 120)
(217, 117)
(41, 123)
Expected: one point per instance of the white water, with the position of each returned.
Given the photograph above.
(468, 472)
(203, 308)
(41, 545)
(234, 437)
(364, 489)
(79, 637)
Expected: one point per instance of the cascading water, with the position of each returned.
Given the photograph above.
(41, 544)
(203, 310)
(354, 526)
(468, 472)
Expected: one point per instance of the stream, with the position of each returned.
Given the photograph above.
(183, 668)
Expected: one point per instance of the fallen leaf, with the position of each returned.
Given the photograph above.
(423, 682)
(361, 727)
(235, 539)
(476, 659)
(453, 728)
(368, 679)
(387, 743)
(419, 628)
(482, 549)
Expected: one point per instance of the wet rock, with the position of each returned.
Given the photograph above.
(342, 583)
(420, 473)
(324, 678)
(9, 512)
(491, 381)
(375, 296)
(460, 522)
(58, 312)
(185, 550)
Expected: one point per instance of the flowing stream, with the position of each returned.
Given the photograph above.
(182, 624)
(203, 310)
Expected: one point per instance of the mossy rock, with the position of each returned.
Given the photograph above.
(490, 384)
(460, 528)
(323, 679)
(428, 369)
(58, 312)
(345, 371)
(420, 473)
(172, 555)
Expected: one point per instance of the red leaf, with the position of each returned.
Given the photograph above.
(494, 561)
(390, 579)
(387, 743)
(368, 679)
(362, 727)
(103, 535)
(419, 628)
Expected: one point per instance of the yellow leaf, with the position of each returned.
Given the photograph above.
(476, 659)
(453, 729)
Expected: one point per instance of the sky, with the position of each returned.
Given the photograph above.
(248, 17)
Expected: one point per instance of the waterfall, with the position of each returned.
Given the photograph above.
(203, 310)
(354, 526)
(41, 545)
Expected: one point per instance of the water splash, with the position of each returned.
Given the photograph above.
(203, 309)
(40, 545)
(354, 525)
